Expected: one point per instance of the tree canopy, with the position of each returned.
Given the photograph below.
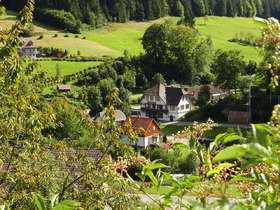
(96, 13)
(177, 47)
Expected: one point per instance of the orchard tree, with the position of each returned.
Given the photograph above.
(228, 66)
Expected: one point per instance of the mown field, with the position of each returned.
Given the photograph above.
(114, 38)
(66, 67)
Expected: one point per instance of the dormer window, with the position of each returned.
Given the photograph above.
(30, 43)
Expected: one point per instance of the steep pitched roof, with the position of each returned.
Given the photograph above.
(142, 122)
(213, 90)
(28, 43)
(158, 90)
(174, 95)
(119, 116)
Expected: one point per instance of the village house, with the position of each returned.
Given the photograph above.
(149, 131)
(166, 103)
(28, 48)
(216, 93)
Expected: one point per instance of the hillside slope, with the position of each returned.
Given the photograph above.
(114, 38)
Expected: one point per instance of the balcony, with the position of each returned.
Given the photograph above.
(154, 110)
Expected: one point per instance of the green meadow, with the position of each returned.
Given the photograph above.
(66, 67)
(114, 38)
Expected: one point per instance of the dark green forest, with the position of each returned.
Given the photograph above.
(70, 14)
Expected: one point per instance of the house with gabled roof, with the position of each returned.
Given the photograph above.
(165, 103)
(216, 93)
(28, 48)
(147, 129)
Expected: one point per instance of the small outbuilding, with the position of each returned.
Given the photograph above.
(63, 88)
(238, 117)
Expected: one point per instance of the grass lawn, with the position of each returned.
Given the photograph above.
(114, 38)
(173, 129)
(67, 67)
(221, 29)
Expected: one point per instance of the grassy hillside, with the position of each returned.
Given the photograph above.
(114, 38)
(66, 67)
(221, 29)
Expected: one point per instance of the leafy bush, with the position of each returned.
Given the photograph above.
(59, 18)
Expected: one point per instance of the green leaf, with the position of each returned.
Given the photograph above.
(273, 206)
(141, 176)
(219, 139)
(261, 132)
(219, 168)
(224, 138)
(179, 145)
(246, 177)
(4, 207)
(154, 166)
(258, 150)
(53, 200)
(67, 205)
(152, 177)
(230, 153)
(192, 142)
(39, 202)
(232, 137)
(196, 204)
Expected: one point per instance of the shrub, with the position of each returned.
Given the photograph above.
(76, 36)
(41, 37)
(188, 165)
(55, 35)
(66, 35)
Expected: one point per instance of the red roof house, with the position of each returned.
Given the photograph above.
(149, 131)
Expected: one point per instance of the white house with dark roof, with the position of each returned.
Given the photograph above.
(215, 92)
(165, 103)
(28, 48)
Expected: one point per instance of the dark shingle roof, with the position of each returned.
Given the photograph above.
(174, 95)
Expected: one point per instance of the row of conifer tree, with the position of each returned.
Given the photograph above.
(97, 12)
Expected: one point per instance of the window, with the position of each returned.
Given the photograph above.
(154, 127)
(159, 106)
(187, 106)
(182, 107)
(172, 108)
(151, 98)
(160, 115)
(157, 98)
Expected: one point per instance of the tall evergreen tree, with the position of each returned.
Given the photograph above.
(198, 7)
(267, 12)
(221, 7)
(231, 10)
(259, 7)
(240, 8)
(179, 9)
